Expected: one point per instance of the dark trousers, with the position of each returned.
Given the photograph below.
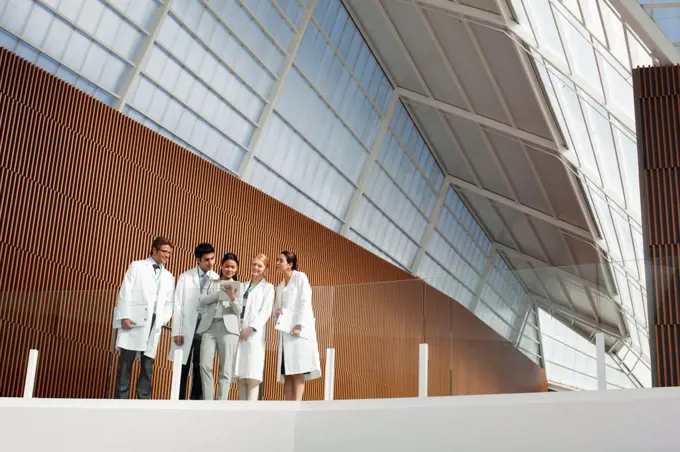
(194, 360)
(144, 382)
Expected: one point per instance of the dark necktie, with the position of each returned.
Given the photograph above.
(156, 267)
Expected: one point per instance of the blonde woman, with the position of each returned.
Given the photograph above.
(258, 300)
(220, 327)
(298, 349)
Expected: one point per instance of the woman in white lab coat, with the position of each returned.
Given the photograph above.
(258, 299)
(298, 350)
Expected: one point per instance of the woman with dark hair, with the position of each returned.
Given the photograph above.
(298, 349)
(220, 326)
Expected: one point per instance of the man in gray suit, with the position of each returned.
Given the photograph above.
(220, 328)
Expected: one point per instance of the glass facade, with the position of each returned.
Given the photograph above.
(585, 68)
(570, 359)
(287, 95)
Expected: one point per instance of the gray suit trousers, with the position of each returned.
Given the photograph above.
(217, 337)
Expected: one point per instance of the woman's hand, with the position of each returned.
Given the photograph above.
(245, 333)
(297, 329)
(277, 312)
(230, 291)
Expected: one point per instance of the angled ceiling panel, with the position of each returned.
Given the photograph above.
(375, 24)
(513, 157)
(422, 49)
(467, 64)
(504, 61)
(479, 154)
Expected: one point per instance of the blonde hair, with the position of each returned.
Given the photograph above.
(263, 257)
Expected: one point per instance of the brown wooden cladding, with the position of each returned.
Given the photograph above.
(657, 103)
(85, 189)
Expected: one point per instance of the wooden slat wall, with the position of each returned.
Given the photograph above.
(85, 189)
(657, 91)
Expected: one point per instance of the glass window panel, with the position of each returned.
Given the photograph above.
(16, 15)
(94, 62)
(543, 22)
(615, 34)
(582, 55)
(577, 124)
(37, 26)
(619, 89)
(629, 159)
(313, 118)
(601, 133)
(284, 150)
(70, 8)
(57, 40)
(276, 186)
(242, 25)
(90, 14)
(113, 74)
(7, 40)
(591, 13)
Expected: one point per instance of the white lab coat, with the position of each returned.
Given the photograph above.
(301, 354)
(187, 309)
(141, 287)
(250, 353)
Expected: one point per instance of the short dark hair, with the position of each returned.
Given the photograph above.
(158, 242)
(230, 257)
(291, 258)
(202, 249)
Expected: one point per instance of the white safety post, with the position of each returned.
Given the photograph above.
(422, 370)
(330, 374)
(600, 355)
(30, 374)
(176, 374)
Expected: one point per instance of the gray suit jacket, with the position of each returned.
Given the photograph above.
(231, 315)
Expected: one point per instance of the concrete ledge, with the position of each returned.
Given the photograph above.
(630, 420)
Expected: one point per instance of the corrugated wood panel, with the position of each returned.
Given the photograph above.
(657, 91)
(85, 189)
(437, 328)
(483, 362)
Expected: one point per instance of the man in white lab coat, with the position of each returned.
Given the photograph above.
(144, 306)
(187, 316)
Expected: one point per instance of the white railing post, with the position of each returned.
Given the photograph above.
(422, 370)
(30, 374)
(600, 355)
(330, 374)
(176, 374)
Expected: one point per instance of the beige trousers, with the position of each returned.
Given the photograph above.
(248, 389)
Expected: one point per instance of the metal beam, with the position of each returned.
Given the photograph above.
(143, 54)
(368, 165)
(520, 323)
(464, 11)
(483, 120)
(558, 271)
(282, 74)
(576, 317)
(567, 227)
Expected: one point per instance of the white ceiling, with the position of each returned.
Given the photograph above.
(471, 87)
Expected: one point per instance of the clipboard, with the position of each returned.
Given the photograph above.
(221, 295)
(138, 314)
(285, 323)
